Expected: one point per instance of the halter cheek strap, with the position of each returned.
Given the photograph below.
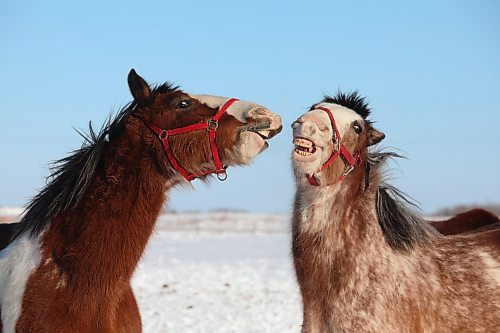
(210, 126)
(350, 160)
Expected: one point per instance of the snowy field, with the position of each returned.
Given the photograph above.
(209, 280)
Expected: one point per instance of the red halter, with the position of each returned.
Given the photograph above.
(211, 127)
(351, 160)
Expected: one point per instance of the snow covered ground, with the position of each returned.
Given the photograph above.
(226, 273)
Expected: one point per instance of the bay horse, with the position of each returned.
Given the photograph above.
(365, 261)
(472, 220)
(69, 266)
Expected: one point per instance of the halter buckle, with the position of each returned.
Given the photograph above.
(348, 170)
(212, 125)
(163, 134)
(337, 143)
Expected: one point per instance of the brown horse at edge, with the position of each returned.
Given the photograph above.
(69, 265)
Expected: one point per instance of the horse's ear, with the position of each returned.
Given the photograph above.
(374, 136)
(138, 87)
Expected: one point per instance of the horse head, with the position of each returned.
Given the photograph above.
(332, 139)
(195, 135)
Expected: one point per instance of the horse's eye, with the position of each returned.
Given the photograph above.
(183, 104)
(357, 128)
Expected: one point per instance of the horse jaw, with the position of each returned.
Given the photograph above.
(249, 145)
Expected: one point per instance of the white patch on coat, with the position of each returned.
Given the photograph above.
(17, 262)
(492, 266)
(315, 203)
(61, 283)
(55, 274)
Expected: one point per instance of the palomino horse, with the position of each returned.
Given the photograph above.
(69, 267)
(365, 262)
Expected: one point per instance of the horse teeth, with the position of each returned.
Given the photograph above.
(265, 133)
(303, 143)
(303, 152)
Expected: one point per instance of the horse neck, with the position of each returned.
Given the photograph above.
(100, 242)
(340, 223)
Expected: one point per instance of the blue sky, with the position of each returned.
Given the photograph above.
(430, 70)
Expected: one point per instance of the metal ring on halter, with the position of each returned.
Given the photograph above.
(222, 176)
(348, 170)
(163, 134)
(212, 125)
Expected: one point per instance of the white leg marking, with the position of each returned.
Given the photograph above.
(17, 262)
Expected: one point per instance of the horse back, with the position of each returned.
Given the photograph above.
(489, 240)
(491, 227)
(470, 221)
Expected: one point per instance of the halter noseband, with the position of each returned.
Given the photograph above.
(210, 126)
(351, 160)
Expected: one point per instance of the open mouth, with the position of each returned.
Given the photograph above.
(304, 147)
(265, 133)
(261, 136)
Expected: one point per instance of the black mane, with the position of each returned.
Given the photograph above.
(71, 176)
(402, 226)
(352, 100)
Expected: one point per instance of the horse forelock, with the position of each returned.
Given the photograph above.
(351, 100)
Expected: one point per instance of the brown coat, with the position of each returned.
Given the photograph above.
(354, 279)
